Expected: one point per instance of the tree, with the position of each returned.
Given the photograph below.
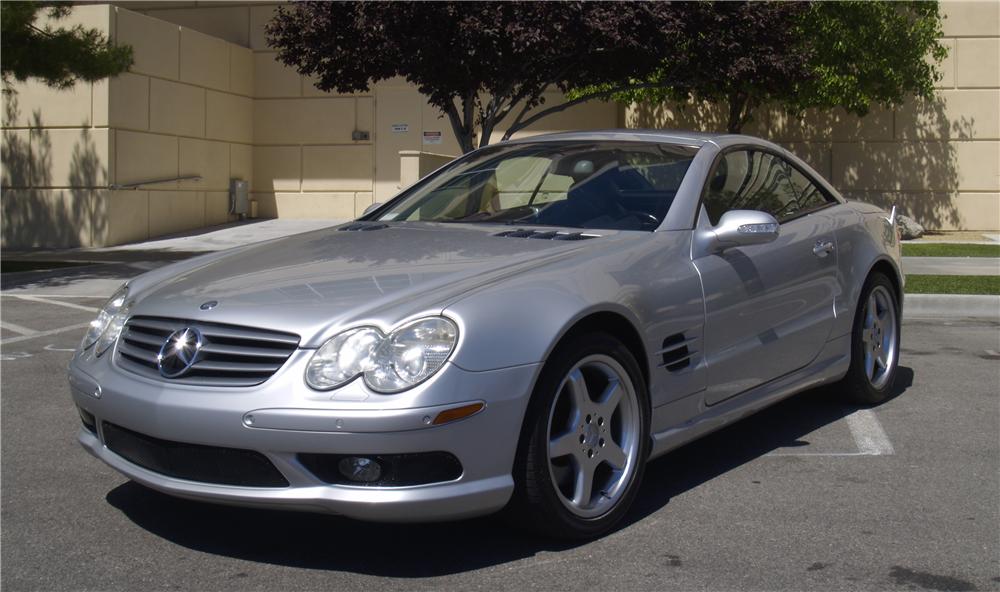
(58, 56)
(479, 62)
(849, 54)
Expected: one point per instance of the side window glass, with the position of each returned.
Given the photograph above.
(750, 180)
(809, 196)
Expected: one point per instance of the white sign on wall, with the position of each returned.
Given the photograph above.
(432, 137)
(400, 128)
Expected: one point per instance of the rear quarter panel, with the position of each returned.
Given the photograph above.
(864, 238)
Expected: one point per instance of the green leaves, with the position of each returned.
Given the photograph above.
(800, 55)
(478, 62)
(866, 53)
(57, 56)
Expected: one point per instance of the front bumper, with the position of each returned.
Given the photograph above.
(281, 420)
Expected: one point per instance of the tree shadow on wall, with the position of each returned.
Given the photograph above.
(902, 157)
(34, 213)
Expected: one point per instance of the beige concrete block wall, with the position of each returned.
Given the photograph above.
(939, 160)
(185, 109)
(57, 154)
(207, 97)
(303, 161)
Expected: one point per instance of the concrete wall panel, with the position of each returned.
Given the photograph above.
(127, 215)
(303, 121)
(144, 157)
(241, 71)
(277, 168)
(229, 117)
(33, 104)
(176, 108)
(155, 43)
(206, 158)
(274, 79)
(71, 157)
(978, 62)
(971, 18)
(175, 211)
(128, 101)
(204, 60)
(231, 23)
(336, 168)
(217, 207)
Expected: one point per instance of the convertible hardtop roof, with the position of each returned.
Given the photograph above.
(683, 137)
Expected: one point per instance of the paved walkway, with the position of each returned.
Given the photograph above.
(951, 265)
(180, 246)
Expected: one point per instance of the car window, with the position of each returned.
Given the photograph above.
(754, 180)
(809, 196)
(611, 185)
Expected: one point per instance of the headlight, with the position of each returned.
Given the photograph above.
(389, 363)
(105, 328)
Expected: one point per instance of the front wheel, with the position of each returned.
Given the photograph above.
(585, 442)
(874, 343)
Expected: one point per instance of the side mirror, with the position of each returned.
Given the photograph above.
(372, 208)
(737, 228)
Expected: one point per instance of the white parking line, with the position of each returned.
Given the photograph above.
(43, 333)
(868, 435)
(57, 303)
(16, 328)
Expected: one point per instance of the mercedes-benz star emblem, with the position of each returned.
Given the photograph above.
(179, 352)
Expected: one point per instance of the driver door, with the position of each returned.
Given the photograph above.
(769, 307)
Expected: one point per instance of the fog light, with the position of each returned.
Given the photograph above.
(359, 468)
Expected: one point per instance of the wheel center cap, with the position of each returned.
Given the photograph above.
(590, 435)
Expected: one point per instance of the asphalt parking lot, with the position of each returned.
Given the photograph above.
(809, 495)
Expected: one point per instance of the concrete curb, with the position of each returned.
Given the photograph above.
(951, 306)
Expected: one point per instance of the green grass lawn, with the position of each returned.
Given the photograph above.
(950, 250)
(953, 284)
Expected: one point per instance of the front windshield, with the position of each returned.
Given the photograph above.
(601, 185)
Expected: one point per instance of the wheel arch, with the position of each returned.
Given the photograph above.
(888, 268)
(614, 324)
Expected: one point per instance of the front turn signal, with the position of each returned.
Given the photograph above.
(450, 415)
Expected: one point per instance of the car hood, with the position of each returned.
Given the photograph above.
(317, 282)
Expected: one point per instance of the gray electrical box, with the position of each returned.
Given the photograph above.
(239, 197)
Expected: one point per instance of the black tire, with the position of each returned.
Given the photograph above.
(536, 504)
(856, 384)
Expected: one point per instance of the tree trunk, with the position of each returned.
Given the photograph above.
(737, 102)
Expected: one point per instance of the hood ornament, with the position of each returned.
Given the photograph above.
(209, 305)
(179, 352)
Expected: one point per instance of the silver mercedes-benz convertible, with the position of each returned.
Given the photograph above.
(522, 329)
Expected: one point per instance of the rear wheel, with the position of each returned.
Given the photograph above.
(585, 441)
(874, 342)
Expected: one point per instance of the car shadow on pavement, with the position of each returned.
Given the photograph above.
(317, 541)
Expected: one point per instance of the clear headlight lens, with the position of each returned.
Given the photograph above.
(389, 363)
(109, 315)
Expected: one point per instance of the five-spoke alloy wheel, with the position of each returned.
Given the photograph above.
(593, 436)
(585, 439)
(874, 342)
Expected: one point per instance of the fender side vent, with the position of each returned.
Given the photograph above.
(362, 226)
(546, 234)
(677, 352)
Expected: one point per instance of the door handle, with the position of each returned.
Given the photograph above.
(823, 248)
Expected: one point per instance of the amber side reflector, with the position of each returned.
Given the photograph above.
(457, 413)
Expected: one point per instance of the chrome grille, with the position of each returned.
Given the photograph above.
(230, 355)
